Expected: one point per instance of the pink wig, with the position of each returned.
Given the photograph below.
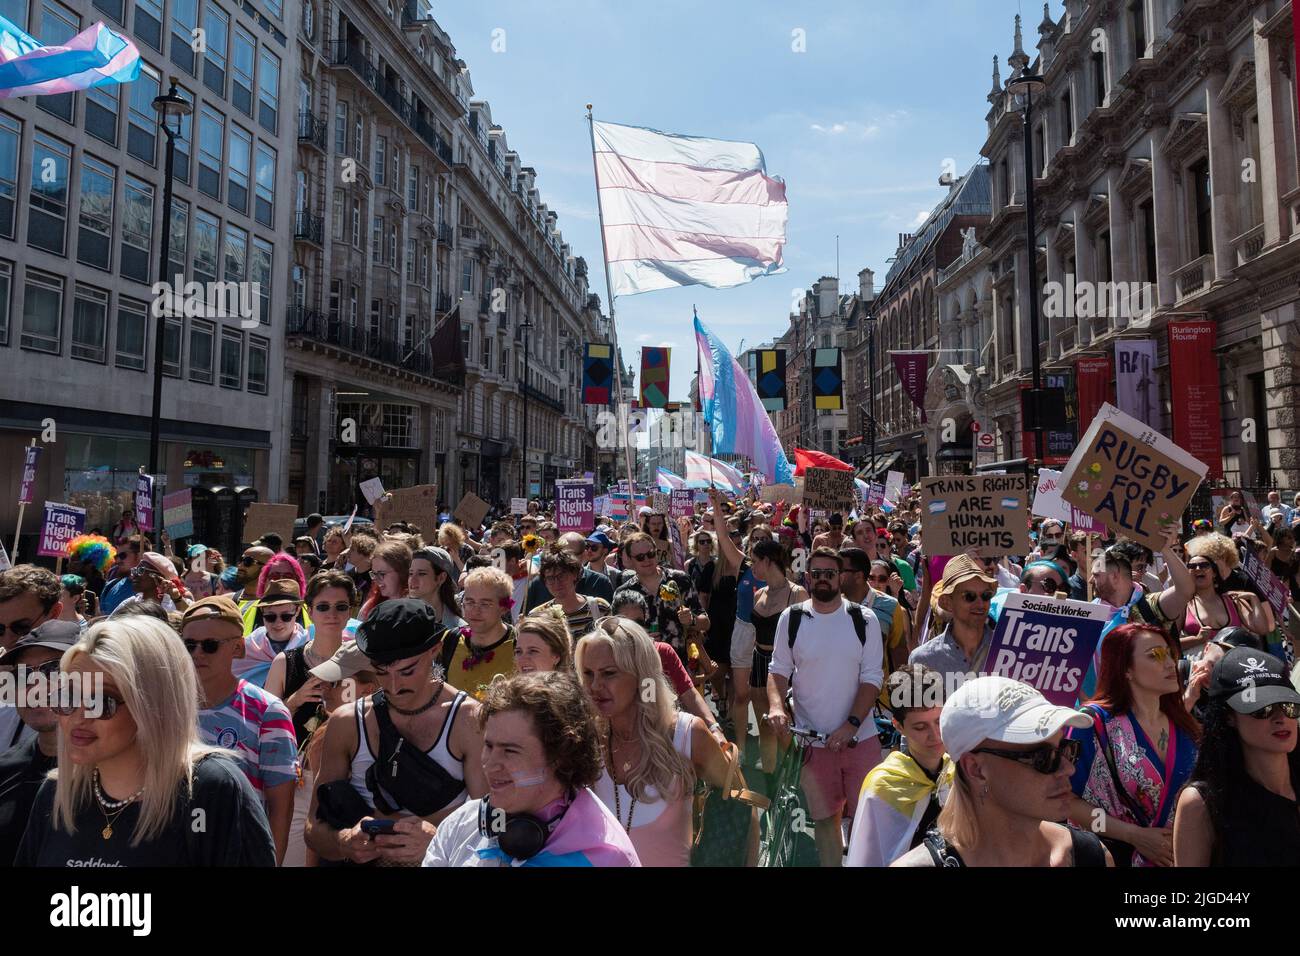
(278, 563)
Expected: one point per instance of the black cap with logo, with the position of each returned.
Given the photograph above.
(1250, 679)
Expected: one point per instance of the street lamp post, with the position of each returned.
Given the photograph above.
(871, 395)
(1026, 85)
(525, 326)
(171, 109)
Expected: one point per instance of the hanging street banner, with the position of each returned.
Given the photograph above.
(1194, 383)
(827, 380)
(1046, 643)
(1131, 478)
(912, 368)
(62, 524)
(769, 378)
(655, 363)
(1137, 390)
(597, 374)
(986, 513)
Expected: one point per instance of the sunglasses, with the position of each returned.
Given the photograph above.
(339, 608)
(1289, 709)
(589, 546)
(248, 562)
(42, 670)
(1159, 654)
(1198, 566)
(642, 556)
(970, 597)
(18, 628)
(109, 709)
(823, 573)
(283, 618)
(142, 572)
(208, 646)
(1045, 759)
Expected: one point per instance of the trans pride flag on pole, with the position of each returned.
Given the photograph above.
(734, 413)
(93, 57)
(703, 472)
(685, 210)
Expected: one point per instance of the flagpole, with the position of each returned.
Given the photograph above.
(712, 484)
(613, 323)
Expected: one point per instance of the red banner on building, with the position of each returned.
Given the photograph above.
(1194, 385)
(1095, 380)
(912, 368)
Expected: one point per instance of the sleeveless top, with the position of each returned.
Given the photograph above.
(765, 628)
(661, 829)
(1192, 624)
(295, 675)
(440, 752)
(1261, 828)
(1086, 849)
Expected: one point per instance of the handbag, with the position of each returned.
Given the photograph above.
(340, 805)
(728, 830)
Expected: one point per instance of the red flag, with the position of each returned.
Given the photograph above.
(806, 458)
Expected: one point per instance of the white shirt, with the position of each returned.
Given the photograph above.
(458, 839)
(827, 664)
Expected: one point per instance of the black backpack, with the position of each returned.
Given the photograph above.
(856, 613)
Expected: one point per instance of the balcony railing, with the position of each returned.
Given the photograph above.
(312, 130)
(1194, 276)
(345, 54)
(443, 303)
(309, 228)
(413, 16)
(317, 327)
(445, 234)
(485, 305)
(1248, 245)
(536, 393)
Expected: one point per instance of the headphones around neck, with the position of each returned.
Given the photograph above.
(521, 836)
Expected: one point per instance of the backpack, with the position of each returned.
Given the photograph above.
(799, 611)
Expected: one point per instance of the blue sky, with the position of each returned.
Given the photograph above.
(859, 124)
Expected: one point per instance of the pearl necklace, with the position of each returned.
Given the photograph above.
(107, 806)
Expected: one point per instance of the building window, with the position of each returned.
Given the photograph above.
(487, 353)
(185, 17)
(381, 159)
(354, 305)
(377, 239)
(1099, 78)
(142, 120)
(206, 229)
(268, 90)
(58, 26)
(465, 341)
(392, 247)
(148, 22)
(276, 7)
(211, 148)
(173, 333)
(408, 332)
(216, 23)
(10, 144)
(410, 260)
(47, 217)
(341, 128)
(114, 8)
(413, 188)
(241, 71)
(259, 351)
(1103, 256)
(240, 160)
(359, 140)
(178, 244)
(424, 264)
(232, 358)
(1137, 11)
(95, 222)
(236, 254)
(336, 299)
(356, 223)
(103, 103)
(467, 275)
(201, 334)
(137, 230)
(1067, 117)
(260, 273)
(6, 281)
(264, 204)
(185, 139)
(42, 312)
(132, 332)
(1147, 223)
(1040, 148)
(337, 215)
(372, 324)
(298, 281)
(1200, 177)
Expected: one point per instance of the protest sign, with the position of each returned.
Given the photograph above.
(1047, 497)
(1046, 643)
(178, 513)
(471, 511)
(876, 495)
(5, 563)
(680, 504)
(518, 506)
(828, 489)
(373, 489)
(30, 456)
(774, 493)
(602, 505)
(1270, 585)
(1131, 478)
(144, 502)
(575, 506)
(265, 517)
(659, 501)
(1082, 521)
(988, 513)
(62, 524)
(417, 505)
(893, 486)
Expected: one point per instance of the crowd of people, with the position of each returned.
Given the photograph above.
(508, 694)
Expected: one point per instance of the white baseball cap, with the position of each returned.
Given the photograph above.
(991, 707)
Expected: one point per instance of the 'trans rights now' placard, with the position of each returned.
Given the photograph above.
(1132, 478)
(987, 513)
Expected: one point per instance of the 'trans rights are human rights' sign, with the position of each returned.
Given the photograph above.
(987, 513)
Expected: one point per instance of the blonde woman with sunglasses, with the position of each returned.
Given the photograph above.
(133, 776)
(653, 752)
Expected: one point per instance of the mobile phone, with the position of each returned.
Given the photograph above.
(377, 827)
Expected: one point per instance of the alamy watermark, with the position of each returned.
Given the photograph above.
(34, 688)
(1134, 301)
(209, 300)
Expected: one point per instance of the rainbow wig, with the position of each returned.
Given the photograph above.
(94, 550)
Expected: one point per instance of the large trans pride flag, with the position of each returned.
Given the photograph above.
(93, 57)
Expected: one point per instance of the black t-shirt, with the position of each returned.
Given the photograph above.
(230, 830)
(22, 769)
(1259, 828)
(701, 575)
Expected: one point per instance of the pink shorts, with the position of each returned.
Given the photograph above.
(832, 781)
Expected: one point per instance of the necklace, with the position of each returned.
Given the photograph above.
(420, 710)
(107, 806)
(618, 804)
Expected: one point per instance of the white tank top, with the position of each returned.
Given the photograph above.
(364, 758)
(646, 812)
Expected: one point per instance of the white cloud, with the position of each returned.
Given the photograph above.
(846, 127)
(921, 217)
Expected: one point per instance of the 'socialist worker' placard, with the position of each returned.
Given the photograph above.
(986, 513)
(1046, 643)
(1132, 478)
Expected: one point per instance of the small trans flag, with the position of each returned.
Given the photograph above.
(1010, 504)
(938, 507)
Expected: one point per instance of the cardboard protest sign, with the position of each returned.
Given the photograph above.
(894, 486)
(1275, 592)
(62, 524)
(518, 506)
(575, 506)
(1046, 643)
(472, 510)
(266, 516)
(774, 493)
(987, 513)
(1047, 497)
(829, 489)
(659, 501)
(417, 505)
(373, 489)
(1131, 478)
(178, 513)
(144, 502)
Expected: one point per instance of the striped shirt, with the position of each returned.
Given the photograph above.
(258, 728)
